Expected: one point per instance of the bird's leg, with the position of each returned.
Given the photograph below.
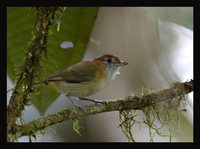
(74, 103)
(93, 100)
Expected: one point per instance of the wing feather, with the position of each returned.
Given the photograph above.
(78, 73)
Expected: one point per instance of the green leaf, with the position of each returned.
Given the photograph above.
(75, 26)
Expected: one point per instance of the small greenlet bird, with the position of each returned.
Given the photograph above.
(87, 77)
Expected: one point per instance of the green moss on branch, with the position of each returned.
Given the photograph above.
(29, 70)
(127, 103)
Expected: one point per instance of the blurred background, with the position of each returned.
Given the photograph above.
(157, 43)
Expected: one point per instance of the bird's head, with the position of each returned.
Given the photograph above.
(109, 64)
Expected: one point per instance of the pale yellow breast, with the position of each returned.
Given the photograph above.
(79, 89)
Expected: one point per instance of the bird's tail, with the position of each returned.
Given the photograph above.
(35, 85)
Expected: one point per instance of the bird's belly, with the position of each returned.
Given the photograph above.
(78, 89)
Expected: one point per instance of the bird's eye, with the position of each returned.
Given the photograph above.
(109, 60)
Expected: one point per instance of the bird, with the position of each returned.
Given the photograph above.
(85, 78)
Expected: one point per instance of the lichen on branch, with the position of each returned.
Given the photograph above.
(29, 70)
(127, 103)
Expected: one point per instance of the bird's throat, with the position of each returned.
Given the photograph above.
(112, 72)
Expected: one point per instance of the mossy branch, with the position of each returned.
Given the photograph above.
(25, 80)
(130, 102)
(29, 71)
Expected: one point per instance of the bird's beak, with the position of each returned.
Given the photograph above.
(122, 63)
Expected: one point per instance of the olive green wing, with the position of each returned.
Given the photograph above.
(78, 73)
